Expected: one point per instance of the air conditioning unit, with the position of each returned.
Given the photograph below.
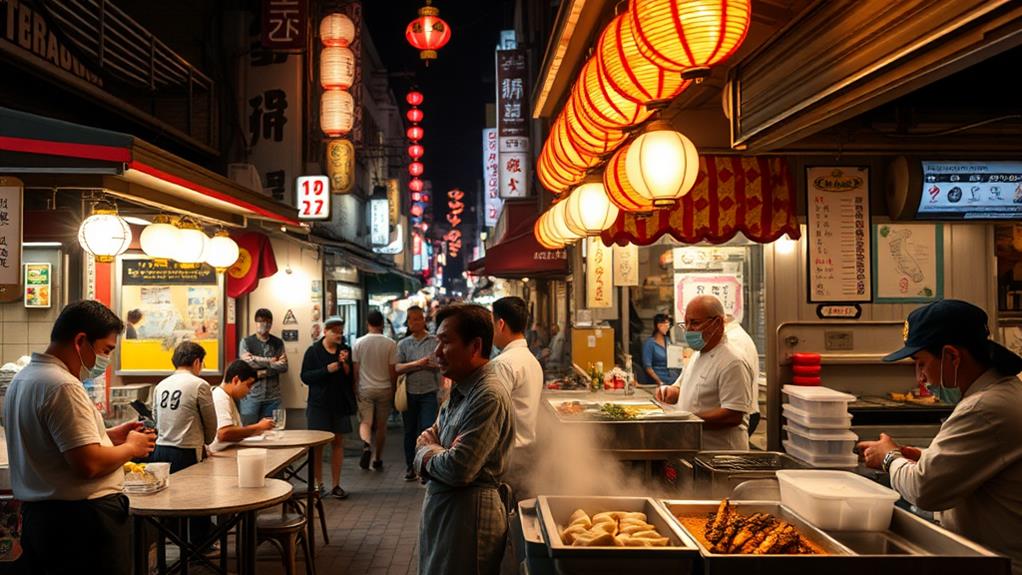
(246, 175)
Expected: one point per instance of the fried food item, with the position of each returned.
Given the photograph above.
(569, 534)
(580, 517)
(611, 528)
(594, 539)
(727, 531)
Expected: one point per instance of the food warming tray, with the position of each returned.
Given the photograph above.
(717, 473)
(680, 557)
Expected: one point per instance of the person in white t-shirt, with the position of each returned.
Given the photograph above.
(238, 380)
(743, 346)
(374, 357)
(715, 385)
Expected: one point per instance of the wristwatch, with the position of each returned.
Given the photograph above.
(889, 459)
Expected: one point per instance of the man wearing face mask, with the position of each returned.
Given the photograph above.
(264, 352)
(66, 467)
(716, 386)
(972, 470)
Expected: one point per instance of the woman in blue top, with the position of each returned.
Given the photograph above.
(654, 352)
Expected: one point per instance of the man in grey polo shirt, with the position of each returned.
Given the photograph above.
(184, 412)
(416, 361)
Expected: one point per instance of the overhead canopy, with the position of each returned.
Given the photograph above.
(517, 254)
(54, 153)
(751, 195)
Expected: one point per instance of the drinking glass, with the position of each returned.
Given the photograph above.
(279, 418)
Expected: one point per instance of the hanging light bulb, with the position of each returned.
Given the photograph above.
(588, 211)
(159, 239)
(662, 165)
(191, 243)
(104, 234)
(222, 251)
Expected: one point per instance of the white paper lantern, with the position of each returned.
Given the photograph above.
(104, 234)
(588, 211)
(191, 242)
(159, 239)
(336, 30)
(336, 112)
(336, 68)
(222, 251)
(662, 165)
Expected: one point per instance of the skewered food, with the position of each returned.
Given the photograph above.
(611, 529)
(728, 531)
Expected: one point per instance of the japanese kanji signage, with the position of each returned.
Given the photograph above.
(839, 235)
(455, 209)
(340, 165)
(599, 271)
(313, 198)
(394, 197)
(513, 124)
(725, 287)
(626, 265)
(284, 24)
(10, 239)
(491, 175)
(379, 221)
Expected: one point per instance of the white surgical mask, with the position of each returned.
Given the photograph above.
(951, 395)
(97, 369)
(263, 327)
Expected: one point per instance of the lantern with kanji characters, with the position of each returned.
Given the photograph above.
(428, 33)
(588, 211)
(336, 112)
(628, 72)
(336, 30)
(662, 165)
(415, 185)
(416, 151)
(689, 36)
(415, 168)
(336, 68)
(619, 189)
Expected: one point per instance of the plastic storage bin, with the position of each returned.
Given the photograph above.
(829, 433)
(804, 419)
(818, 401)
(849, 461)
(825, 443)
(837, 500)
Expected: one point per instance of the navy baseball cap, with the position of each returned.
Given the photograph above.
(954, 322)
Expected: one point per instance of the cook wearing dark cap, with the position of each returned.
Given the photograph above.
(972, 471)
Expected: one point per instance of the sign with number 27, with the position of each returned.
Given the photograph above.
(313, 197)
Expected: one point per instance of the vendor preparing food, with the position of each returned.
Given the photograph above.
(716, 386)
(972, 471)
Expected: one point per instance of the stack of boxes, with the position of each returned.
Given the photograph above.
(819, 426)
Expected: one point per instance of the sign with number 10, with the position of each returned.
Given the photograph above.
(313, 197)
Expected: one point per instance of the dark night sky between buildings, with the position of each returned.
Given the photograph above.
(456, 87)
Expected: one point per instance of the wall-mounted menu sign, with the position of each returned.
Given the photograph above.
(38, 285)
(839, 235)
(971, 190)
(151, 272)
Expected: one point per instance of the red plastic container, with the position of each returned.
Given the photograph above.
(806, 370)
(806, 380)
(802, 358)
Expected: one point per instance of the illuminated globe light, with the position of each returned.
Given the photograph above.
(628, 72)
(415, 168)
(662, 165)
(415, 133)
(222, 251)
(689, 36)
(588, 211)
(336, 68)
(602, 104)
(620, 191)
(159, 239)
(416, 151)
(336, 30)
(587, 137)
(558, 224)
(191, 243)
(428, 33)
(414, 98)
(414, 115)
(336, 112)
(415, 185)
(542, 234)
(104, 234)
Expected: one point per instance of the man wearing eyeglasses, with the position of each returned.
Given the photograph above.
(716, 385)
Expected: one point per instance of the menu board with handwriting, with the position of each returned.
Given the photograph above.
(839, 237)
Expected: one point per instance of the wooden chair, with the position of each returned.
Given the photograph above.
(297, 504)
(285, 530)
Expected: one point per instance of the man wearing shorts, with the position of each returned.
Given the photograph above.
(375, 359)
(328, 372)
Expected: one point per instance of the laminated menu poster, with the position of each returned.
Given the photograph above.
(839, 240)
(37, 285)
(908, 263)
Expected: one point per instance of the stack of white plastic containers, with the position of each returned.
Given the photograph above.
(819, 426)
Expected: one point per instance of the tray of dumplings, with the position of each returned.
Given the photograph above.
(600, 528)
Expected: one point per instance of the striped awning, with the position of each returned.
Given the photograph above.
(751, 195)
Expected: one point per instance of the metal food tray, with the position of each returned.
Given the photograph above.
(596, 415)
(680, 557)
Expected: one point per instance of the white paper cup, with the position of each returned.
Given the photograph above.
(251, 467)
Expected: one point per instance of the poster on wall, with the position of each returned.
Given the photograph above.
(599, 269)
(908, 263)
(838, 233)
(726, 287)
(166, 305)
(626, 265)
(38, 285)
(10, 239)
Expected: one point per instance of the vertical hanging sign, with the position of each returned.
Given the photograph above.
(394, 200)
(455, 208)
(491, 176)
(284, 24)
(626, 265)
(10, 238)
(512, 124)
(599, 271)
(839, 235)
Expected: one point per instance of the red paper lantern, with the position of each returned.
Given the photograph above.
(415, 168)
(414, 115)
(425, 198)
(619, 189)
(428, 33)
(690, 36)
(628, 71)
(415, 151)
(416, 210)
(415, 133)
(414, 98)
(416, 197)
(415, 185)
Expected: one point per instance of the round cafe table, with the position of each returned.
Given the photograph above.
(306, 438)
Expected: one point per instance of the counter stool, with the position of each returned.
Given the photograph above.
(285, 530)
(297, 504)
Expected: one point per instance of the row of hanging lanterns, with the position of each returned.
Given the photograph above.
(336, 74)
(105, 235)
(415, 133)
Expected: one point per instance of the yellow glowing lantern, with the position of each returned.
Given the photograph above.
(564, 150)
(588, 211)
(336, 30)
(586, 136)
(628, 71)
(689, 36)
(557, 224)
(662, 165)
(336, 68)
(621, 193)
(542, 235)
(222, 252)
(159, 239)
(336, 112)
(104, 234)
(602, 104)
(191, 243)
